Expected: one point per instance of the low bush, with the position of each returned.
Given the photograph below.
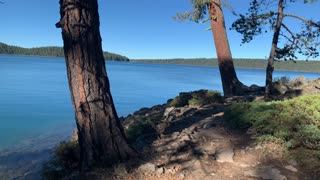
(282, 80)
(144, 126)
(66, 158)
(295, 121)
(196, 98)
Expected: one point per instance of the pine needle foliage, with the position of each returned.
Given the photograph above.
(261, 17)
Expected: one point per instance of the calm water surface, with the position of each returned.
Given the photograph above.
(35, 99)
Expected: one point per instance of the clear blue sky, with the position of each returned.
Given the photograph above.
(135, 28)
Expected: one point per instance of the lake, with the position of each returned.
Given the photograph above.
(35, 100)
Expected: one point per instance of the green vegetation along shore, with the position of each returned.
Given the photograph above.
(52, 51)
(304, 66)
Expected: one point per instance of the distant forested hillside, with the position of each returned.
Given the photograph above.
(52, 51)
(303, 66)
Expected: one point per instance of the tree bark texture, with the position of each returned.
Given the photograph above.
(101, 137)
(270, 66)
(230, 82)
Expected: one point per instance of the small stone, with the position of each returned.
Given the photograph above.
(258, 147)
(160, 171)
(207, 106)
(243, 165)
(242, 151)
(120, 170)
(212, 174)
(181, 175)
(187, 131)
(74, 136)
(291, 168)
(208, 125)
(175, 134)
(293, 162)
(225, 155)
(266, 172)
(184, 137)
(147, 168)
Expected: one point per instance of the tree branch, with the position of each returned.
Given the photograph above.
(303, 19)
(285, 36)
(288, 30)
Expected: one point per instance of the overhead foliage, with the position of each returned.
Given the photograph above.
(261, 18)
(199, 11)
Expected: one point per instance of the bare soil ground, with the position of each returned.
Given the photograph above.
(194, 143)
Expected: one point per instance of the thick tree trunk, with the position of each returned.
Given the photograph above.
(101, 137)
(270, 66)
(230, 83)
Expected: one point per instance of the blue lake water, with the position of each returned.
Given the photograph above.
(35, 98)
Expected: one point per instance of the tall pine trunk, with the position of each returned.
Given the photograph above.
(101, 137)
(270, 66)
(230, 83)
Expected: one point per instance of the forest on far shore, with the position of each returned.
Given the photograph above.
(298, 65)
(51, 51)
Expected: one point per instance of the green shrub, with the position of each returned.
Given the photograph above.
(66, 159)
(295, 121)
(196, 98)
(144, 126)
(180, 100)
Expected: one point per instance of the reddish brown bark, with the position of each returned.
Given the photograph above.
(230, 83)
(270, 66)
(101, 137)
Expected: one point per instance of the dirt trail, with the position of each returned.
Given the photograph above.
(197, 145)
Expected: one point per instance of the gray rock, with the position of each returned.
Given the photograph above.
(168, 110)
(208, 125)
(160, 171)
(170, 118)
(187, 131)
(266, 172)
(293, 162)
(74, 136)
(225, 155)
(291, 168)
(175, 134)
(147, 168)
(186, 110)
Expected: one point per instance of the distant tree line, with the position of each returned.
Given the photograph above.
(299, 65)
(52, 51)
